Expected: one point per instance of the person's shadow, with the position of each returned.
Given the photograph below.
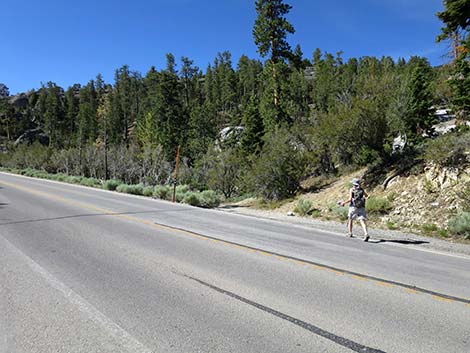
(399, 241)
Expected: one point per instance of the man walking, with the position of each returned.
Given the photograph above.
(357, 207)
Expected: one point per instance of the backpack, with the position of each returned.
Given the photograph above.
(358, 199)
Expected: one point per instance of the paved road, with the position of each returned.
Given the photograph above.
(84, 270)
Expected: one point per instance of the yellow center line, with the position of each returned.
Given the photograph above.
(385, 284)
(442, 299)
(182, 231)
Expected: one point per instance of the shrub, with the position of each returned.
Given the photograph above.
(111, 184)
(89, 182)
(464, 197)
(278, 169)
(339, 211)
(303, 207)
(192, 198)
(162, 192)
(136, 189)
(60, 177)
(316, 213)
(429, 228)
(460, 225)
(378, 205)
(74, 179)
(179, 196)
(448, 150)
(122, 188)
(182, 189)
(392, 225)
(210, 199)
(148, 191)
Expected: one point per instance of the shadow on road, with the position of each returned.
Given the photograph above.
(400, 241)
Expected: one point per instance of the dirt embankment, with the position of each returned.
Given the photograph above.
(421, 203)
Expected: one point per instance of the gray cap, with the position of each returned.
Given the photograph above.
(355, 181)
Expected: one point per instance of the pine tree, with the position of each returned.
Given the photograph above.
(53, 113)
(456, 18)
(71, 113)
(270, 35)
(420, 117)
(251, 140)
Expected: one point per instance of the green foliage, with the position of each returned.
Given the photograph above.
(163, 192)
(460, 225)
(271, 29)
(192, 198)
(148, 191)
(277, 171)
(463, 196)
(391, 225)
(378, 205)
(450, 150)
(90, 182)
(209, 199)
(206, 198)
(135, 189)
(74, 179)
(428, 187)
(303, 207)
(340, 212)
(183, 189)
(111, 184)
(429, 227)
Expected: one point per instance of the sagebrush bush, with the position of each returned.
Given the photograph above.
(210, 199)
(449, 150)
(460, 225)
(192, 198)
(339, 211)
(135, 189)
(122, 188)
(74, 179)
(182, 189)
(111, 184)
(148, 191)
(179, 196)
(303, 207)
(162, 192)
(60, 177)
(90, 182)
(378, 205)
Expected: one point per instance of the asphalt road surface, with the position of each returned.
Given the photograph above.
(85, 270)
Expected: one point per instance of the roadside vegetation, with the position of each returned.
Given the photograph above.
(258, 128)
(184, 194)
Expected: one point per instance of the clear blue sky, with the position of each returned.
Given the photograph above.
(71, 41)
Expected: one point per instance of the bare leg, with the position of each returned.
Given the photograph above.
(350, 226)
(364, 228)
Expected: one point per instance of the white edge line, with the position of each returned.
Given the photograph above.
(267, 219)
(123, 338)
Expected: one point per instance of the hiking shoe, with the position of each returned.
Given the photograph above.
(366, 238)
(349, 235)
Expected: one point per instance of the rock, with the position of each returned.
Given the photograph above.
(19, 101)
(29, 136)
(435, 204)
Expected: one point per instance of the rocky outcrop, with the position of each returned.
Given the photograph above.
(29, 136)
(20, 100)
